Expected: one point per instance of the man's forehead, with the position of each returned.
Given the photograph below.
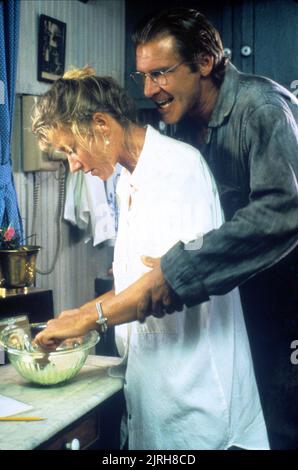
(156, 53)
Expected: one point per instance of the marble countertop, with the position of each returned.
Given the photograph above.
(61, 404)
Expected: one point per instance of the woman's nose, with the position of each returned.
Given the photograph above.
(74, 165)
(150, 87)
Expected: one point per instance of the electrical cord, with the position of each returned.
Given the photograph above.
(59, 214)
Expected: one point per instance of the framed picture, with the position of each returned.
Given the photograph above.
(51, 49)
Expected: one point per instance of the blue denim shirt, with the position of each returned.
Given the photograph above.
(252, 150)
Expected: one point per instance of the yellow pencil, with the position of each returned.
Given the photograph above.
(21, 418)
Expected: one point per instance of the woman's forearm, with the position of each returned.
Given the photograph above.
(118, 309)
(122, 308)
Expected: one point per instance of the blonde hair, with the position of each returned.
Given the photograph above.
(74, 74)
(72, 101)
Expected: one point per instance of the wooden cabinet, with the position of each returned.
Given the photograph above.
(97, 429)
(81, 435)
(34, 302)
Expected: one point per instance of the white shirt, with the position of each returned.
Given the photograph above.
(190, 382)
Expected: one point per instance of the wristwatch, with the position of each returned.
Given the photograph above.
(102, 321)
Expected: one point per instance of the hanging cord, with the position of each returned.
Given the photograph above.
(36, 186)
(59, 215)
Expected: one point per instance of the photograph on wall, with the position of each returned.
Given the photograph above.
(51, 48)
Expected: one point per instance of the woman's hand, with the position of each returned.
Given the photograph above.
(69, 324)
(158, 297)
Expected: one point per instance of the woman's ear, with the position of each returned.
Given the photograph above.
(101, 122)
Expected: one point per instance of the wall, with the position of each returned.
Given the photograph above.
(95, 36)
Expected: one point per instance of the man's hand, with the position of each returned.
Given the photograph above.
(69, 324)
(159, 298)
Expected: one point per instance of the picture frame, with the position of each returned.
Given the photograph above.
(51, 49)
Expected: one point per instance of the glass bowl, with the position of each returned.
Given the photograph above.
(46, 368)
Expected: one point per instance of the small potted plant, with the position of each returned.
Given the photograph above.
(17, 261)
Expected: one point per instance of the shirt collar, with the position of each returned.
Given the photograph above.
(226, 97)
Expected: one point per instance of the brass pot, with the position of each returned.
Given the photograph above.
(18, 267)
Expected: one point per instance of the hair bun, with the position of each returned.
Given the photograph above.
(77, 74)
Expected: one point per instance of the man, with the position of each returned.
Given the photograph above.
(246, 128)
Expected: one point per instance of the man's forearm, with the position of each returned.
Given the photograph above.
(229, 256)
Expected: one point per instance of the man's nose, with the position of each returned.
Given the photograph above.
(150, 87)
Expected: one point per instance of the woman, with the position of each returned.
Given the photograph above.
(189, 380)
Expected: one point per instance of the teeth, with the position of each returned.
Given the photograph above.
(164, 103)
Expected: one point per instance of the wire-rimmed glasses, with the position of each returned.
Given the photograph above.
(157, 76)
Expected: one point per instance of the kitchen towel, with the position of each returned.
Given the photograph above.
(87, 206)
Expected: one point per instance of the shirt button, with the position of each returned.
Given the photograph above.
(129, 416)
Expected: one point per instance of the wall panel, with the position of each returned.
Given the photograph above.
(95, 36)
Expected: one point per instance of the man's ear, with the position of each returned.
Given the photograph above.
(206, 63)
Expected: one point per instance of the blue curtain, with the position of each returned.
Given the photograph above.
(9, 31)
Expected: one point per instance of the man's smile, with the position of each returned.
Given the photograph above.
(163, 104)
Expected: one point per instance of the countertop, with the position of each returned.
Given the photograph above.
(60, 404)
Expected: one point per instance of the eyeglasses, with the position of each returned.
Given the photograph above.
(158, 76)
